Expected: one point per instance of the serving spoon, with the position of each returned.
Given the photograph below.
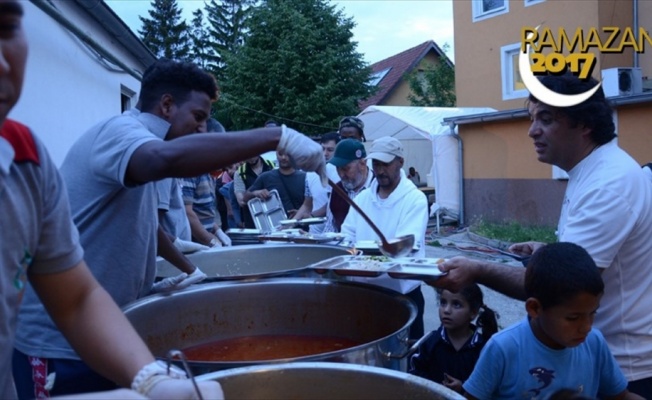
(394, 248)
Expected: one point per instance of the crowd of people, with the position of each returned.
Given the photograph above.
(81, 241)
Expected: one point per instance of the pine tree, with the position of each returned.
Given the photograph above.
(226, 20)
(297, 65)
(164, 32)
(201, 51)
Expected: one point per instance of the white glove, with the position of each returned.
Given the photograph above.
(168, 284)
(196, 277)
(304, 152)
(186, 247)
(183, 389)
(178, 282)
(155, 381)
(224, 238)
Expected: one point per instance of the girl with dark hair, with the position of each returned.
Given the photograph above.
(448, 355)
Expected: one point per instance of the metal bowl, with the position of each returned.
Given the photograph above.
(324, 380)
(255, 261)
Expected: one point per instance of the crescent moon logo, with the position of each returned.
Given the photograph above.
(538, 89)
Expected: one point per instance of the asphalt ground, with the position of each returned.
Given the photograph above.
(451, 243)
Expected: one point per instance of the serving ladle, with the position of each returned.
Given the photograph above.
(393, 248)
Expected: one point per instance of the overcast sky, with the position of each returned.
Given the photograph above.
(384, 27)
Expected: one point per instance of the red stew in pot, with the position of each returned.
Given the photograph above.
(266, 347)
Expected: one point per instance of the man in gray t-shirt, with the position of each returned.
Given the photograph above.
(109, 174)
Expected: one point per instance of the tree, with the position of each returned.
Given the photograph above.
(164, 32)
(226, 20)
(201, 50)
(297, 65)
(435, 87)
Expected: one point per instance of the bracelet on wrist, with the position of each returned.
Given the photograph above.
(152, 373)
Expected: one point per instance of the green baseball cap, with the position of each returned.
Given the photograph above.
(346, 151)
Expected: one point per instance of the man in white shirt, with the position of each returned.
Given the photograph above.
(607, 209)
(398, 208)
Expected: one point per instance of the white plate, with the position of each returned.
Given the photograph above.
(366, 244)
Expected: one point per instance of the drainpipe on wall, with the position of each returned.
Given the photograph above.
(57, 16)
(452, 126)
(635, 29)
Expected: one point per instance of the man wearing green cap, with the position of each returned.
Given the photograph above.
(349, 159)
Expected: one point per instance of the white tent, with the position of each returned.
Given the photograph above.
(430, 147)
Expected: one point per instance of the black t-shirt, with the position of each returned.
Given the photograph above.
(291, 188)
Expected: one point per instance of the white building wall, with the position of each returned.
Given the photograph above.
(66, 89)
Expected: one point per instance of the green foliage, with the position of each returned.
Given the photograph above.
(434, 87)
(226, 24)
(201, 49)
(164, 32)
(514, 232)
(298, 65)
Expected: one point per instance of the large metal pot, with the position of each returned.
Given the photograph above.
(323, 380)
(377, 318)
(255, 261)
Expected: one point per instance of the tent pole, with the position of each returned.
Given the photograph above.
(452, 127)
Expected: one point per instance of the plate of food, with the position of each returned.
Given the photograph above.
(372, 247)
(373, 266)
(367, 266)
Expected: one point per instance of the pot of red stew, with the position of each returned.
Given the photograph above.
(226, 325)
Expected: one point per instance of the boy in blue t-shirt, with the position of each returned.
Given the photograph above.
(555, 348)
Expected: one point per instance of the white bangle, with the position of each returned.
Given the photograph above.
(213, 242)
(153, 373)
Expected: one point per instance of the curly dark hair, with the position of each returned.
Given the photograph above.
(559, 271)
(594, 113)
(176, 78)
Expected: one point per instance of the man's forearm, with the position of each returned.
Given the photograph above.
(508, 280)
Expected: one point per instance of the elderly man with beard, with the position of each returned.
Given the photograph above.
(398, 208)
(349, 159)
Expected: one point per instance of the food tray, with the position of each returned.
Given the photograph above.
(267, 214)
(373, 266)
(371, 247)
(417, 268)
(301, 238)
(305, 221)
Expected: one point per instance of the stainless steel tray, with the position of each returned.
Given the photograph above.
(267, 214)
(373, 266)
(301, 238)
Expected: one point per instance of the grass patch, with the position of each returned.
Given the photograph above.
(514, 232)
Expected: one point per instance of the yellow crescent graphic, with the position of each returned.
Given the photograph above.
(538, 90)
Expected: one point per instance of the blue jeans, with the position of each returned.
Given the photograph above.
(72, 376)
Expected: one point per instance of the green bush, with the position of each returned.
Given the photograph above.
(514, 232)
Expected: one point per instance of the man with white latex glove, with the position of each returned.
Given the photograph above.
(223, 237)
(304, 152)
(156, 381)
(178, 282)
(186, 246)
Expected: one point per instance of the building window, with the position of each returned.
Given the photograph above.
(376, 77)
(127, 97)
(483, 9)
(512, 84)
(532, 2)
